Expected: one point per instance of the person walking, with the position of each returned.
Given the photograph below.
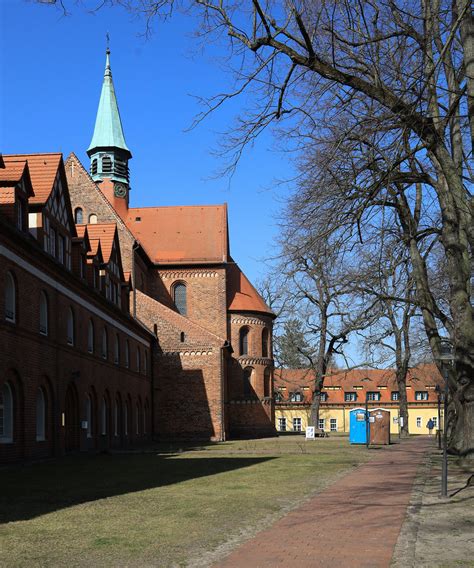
(430, 426)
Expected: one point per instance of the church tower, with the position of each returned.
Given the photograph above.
(108, 151)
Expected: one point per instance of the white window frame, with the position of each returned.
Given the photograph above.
(281, 424)
(297, 424)
(419, 423)
(333, 424)
(421, 396)
(321, 423)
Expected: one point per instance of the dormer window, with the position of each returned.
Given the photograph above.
(20, 214)
(106, 165)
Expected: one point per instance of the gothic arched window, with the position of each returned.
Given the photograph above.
(6, 414)
(43, 323)
(265, 349)
(179, 297)
(40, 416)
(78, 215)
(244, 341)
(10, 298)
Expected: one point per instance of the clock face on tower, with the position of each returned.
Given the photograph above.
(120, 190)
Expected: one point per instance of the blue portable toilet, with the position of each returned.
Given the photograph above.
(358, 426)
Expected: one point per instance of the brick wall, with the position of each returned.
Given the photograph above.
(30, 360)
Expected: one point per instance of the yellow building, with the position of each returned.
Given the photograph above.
(344, 391)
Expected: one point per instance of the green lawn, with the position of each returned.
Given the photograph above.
(164, 508)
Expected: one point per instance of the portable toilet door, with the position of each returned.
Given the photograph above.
(380, 426)
(358, 426)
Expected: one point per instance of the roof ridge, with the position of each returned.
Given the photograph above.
(174, 206)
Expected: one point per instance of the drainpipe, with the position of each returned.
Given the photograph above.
(134, 310)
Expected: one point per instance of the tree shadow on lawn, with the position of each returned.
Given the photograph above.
(32, 490)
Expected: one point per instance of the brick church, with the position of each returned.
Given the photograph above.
(120, 325)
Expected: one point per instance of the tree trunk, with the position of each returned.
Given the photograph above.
(402, 393)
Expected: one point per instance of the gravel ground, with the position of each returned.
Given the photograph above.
(439, 532)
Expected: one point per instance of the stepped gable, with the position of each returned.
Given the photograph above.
(43, 170)
(176, 235)
(241, 295)
(171, 324)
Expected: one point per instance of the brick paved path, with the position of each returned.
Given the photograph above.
(353, 523)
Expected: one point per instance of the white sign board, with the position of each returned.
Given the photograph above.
(401, 421)
(310, 432)
(371, 418)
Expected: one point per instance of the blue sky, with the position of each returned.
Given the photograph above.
(51, 75)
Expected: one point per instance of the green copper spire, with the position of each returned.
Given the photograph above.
(108, 131)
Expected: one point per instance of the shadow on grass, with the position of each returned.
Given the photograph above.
(32, 490)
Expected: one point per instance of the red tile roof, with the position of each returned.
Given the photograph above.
(360, 381)
(43, 169)
(181, 234)
(7, 195)
(11, 171)
(105, 233)
(241, 295)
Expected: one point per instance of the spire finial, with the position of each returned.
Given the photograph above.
(108, 71)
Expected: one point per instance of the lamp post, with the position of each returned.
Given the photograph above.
(438, 393)
(446, 357)
(367, 424)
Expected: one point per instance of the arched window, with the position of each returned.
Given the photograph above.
(40, 416)
(179, 297)
(103, 417)
(104, 344)
(125, 418)
(43, 323)
(70, 331)
(244, 341)
(116, 417)
(267, 382)
(78, 215)
(117, 350)
(127, 354)
(138, 359)
(137, 419)
(93, 219)
(6, 414)
(90, 336)
(247, 382)
(10, 298)
(265, 342)
(106, 165)
(94, 166)
(89, 416)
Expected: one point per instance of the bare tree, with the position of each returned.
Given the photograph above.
(402, 71)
